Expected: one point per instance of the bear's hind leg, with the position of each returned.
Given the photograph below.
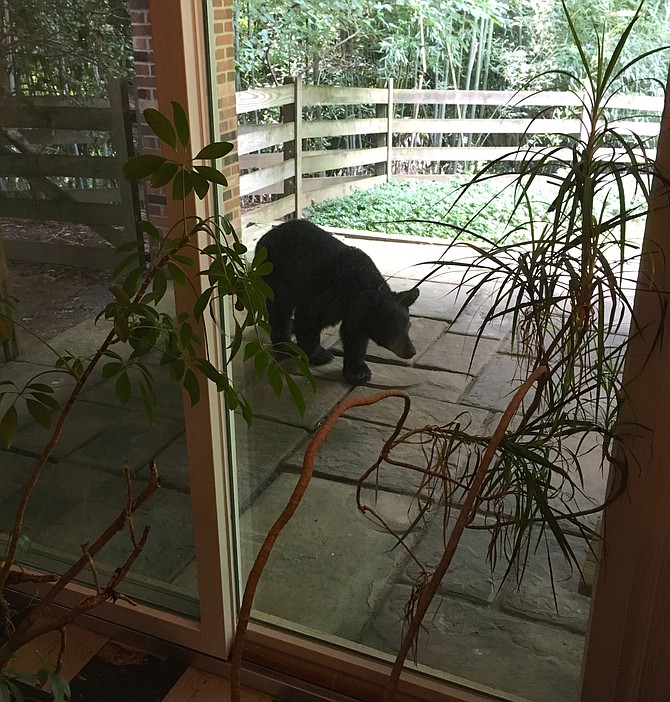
(308, 336)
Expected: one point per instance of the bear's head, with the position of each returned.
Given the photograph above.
(387, 320)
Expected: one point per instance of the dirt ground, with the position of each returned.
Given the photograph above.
(52, 298)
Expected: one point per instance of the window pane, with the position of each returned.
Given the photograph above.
(340, 576)
(63, 210)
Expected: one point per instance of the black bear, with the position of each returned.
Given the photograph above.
(319, 281)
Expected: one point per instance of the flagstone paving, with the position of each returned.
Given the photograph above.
(335, 571)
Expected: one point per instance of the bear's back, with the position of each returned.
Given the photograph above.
(300, 242)
(308, 261)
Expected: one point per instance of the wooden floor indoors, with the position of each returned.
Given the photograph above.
(104, 670)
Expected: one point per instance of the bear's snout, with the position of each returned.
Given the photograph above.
(403, 348)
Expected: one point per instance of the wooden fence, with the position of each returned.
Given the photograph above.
(47, 172)
(282, 158)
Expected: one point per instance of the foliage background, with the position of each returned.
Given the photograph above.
(467, 44)
(63, 47)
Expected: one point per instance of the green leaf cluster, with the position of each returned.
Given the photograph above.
(181, 171)
(35, 397)
(227, 274)
(456, 208)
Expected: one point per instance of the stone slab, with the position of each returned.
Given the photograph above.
(495, 385)
(85, 422)
(472, 319)
(458, 354)
(259, 450)
(352, 448)
(423, 412)
(167, 513)
(437, 300)
(61, 489)
(129, 436)
(22, 373)
(172, 464)
(328, 564)
(590, 484)
(420, 382)
(535, 597)
(470, 574)
(492, 649)
(401, 259)
(187, 579)
(15, 471)
(169, 395)
(81, 340)
(423, 333)
(318, 404)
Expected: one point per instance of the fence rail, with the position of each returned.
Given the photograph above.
(283, 159)
(28, 189)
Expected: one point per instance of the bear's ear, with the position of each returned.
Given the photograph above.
(407, 297)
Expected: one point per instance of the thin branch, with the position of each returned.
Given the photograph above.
(27, 630)
(286, 514)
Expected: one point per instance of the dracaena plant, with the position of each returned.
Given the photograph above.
(136, 321)
(564, 282)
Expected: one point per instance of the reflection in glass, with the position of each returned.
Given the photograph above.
(65, 131)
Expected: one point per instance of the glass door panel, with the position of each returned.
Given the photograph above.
(337, 575)
(59, 229)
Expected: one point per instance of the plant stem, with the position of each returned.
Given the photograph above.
(27, 631)
(283, 519)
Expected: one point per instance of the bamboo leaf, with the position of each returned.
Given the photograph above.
(60, 687)
(141, 166)
(200, 184)
(212, 174)
(39, 412)
(192, 386)
(275, 379)
(296, 394)
(123, 388)
(8, 426)
(164, 174)
(182, 185)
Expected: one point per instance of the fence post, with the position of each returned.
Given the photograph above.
(122, 136)
(389, 132)
(9, 343)
(381, 112)
(297, 146)
(293, 149)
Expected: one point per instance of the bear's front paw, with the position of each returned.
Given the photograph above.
(357, 375)
(320, 357)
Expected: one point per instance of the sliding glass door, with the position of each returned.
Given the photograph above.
(332, 603)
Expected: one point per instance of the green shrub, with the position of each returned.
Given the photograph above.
(484, 210)
(422, 208)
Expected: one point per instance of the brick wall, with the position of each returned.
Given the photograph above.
(145, 93)
(145, 86)
(224, 76)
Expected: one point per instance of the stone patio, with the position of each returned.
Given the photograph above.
(334, 572)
